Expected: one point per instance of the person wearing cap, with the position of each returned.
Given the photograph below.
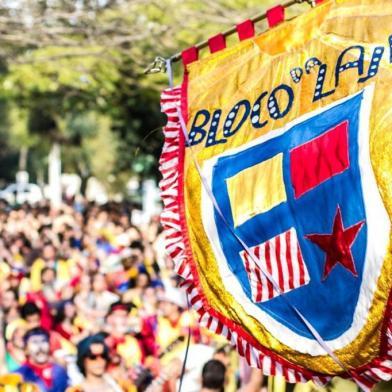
(122, 328)
(93, 360)
(38, 369)
(174, 321)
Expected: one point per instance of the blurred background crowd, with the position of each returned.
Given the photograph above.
(90, 302)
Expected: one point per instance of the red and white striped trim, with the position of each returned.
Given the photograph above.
(281, 257)
(271, 364)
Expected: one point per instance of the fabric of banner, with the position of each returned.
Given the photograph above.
(291, 132)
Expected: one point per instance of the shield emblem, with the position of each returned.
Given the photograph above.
(305, 201)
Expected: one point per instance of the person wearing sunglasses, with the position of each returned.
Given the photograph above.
(93, 360)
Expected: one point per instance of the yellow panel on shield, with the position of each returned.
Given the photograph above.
(257, 189)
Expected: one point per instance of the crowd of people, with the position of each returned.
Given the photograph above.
(90, 302)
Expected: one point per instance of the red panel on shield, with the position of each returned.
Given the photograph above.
(319, 159)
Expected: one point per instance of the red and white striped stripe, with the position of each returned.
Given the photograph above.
(281, 257)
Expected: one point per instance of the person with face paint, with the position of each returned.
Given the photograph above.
(93, 361)
(38, 369)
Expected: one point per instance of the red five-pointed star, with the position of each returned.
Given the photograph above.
(337, 245)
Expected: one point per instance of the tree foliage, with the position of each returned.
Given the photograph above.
(71, 71)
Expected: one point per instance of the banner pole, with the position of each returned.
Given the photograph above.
(159, 64)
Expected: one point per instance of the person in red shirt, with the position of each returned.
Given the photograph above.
(65, 323)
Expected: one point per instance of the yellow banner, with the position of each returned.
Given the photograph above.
(285, 193)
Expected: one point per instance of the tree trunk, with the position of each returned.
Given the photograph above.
(55, 175)
(23, 158)
(84, 174)
(22, 177)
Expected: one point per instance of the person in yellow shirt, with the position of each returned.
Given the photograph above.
(63, 268)
(174, 322)
(15, 383)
